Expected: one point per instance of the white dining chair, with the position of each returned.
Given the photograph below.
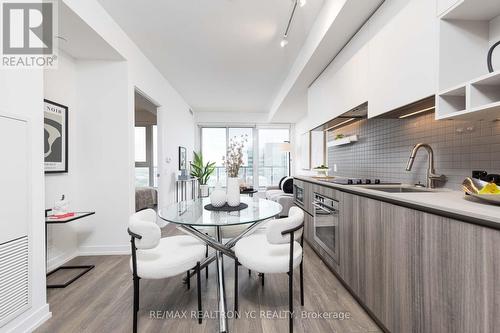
(154, 257)
(275, 251)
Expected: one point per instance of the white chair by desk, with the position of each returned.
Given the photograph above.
(276, 251)
(154, 257)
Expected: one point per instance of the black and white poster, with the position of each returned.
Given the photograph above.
(55, 137)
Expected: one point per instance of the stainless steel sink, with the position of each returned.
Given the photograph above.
(402, 190)
(399, 189)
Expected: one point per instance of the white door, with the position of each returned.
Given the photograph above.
(14, 193)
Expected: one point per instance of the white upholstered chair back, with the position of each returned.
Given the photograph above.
(143, 223)
(294, 219)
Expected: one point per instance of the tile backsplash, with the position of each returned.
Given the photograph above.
(385, 144)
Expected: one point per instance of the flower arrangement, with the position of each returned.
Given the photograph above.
(234, 155)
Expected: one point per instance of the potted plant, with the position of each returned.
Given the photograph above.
(233, 161)
(202, 172)
(322, 170)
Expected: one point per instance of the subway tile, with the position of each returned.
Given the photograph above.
(385, 145)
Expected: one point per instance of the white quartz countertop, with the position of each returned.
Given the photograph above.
(453, 204)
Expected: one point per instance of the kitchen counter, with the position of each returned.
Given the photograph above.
(447, 203)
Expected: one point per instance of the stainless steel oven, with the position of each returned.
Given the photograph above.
(298, 194)
(326, 223)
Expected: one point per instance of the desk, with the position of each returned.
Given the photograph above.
(86, 268)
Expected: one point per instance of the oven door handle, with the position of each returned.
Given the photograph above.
(319, 206)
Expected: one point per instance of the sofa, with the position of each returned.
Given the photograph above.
(282, 194)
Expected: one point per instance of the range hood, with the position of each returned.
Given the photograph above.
(358, 113)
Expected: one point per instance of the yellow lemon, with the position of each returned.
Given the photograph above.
(490, 188)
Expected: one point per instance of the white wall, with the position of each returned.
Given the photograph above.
(104, 159)
(60, 87)
(21, 95)
(176, 124)
(100, 95)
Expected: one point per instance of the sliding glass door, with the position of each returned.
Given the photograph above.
(273, 158)
(264, 160)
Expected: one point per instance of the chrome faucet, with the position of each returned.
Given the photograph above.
(432, 177)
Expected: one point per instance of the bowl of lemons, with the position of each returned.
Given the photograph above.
(489, 192)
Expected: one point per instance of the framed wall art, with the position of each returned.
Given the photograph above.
(55, 123)
(182, 158)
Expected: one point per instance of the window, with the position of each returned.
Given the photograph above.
(146, 159)
(140, 144)
(273, 160)
(264, 160)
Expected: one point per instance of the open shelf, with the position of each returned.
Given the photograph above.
(452, 101)
(343, 141)
(485, 90)
(467, 31)
(476, 10)
(477, 99)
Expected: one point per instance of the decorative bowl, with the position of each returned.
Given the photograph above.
(472, 186)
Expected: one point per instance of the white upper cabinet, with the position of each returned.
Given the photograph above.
(340, 88)
(403, 58)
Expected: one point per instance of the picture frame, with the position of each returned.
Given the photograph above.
(55, 123)
(182, 158)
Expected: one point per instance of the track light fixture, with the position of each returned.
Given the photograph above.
(300, 3)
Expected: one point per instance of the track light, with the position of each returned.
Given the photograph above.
(296, 3)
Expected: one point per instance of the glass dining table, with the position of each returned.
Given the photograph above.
(193, 218)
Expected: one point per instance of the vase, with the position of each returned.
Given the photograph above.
(233, 191)
(204, 191)
(218, 197)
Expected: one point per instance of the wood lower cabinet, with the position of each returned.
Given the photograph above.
(380, 261)
(461, 275)
(420, 272)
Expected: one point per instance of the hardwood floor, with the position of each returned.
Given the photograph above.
(101, 301)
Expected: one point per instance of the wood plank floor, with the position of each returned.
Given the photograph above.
(101, 301)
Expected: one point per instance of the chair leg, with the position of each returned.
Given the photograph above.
(198, 282)
(302, 283)
(136, 302)
(290, 300)
(236, 264)
(206, 268)
(188, 280)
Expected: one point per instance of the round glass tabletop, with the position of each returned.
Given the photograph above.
(193, 213)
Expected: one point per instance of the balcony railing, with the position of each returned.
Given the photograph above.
(268, 175)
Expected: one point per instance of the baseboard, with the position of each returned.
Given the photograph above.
(104, 250)
(33, 321)
(60, 260)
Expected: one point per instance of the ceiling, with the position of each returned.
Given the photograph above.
(221, 55)
(79, 40)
